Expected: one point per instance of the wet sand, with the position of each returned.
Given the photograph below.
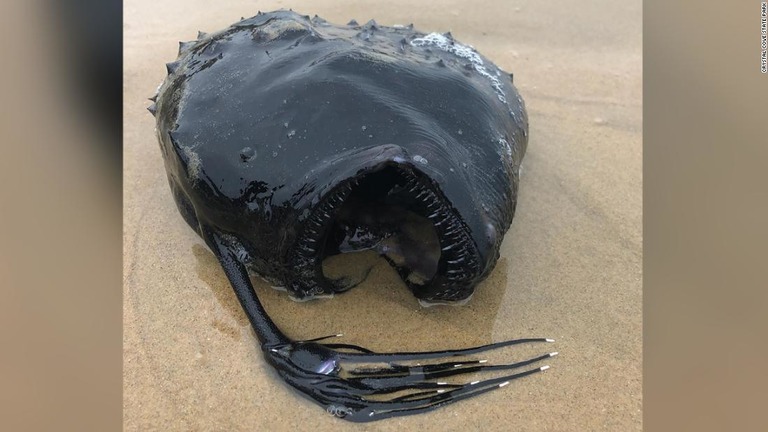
(570, 267)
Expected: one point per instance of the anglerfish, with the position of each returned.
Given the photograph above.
(288, 140)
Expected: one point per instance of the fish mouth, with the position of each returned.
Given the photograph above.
(398, 211)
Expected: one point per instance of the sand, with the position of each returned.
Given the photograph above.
(570, 267)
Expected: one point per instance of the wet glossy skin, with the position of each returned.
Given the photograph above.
(281, 133)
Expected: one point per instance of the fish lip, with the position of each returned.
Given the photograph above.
(459, 264)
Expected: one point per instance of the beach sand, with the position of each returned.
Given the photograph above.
(570, 266)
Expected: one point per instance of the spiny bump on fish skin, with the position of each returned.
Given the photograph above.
(153, 98)
(448, 36)
(201, 35)
(152, 109)
(353, 23)
(185, 46)
(511, 77)
(441, 63)
(172, 67)
(318, 21)
(403, 44)
(371, 24)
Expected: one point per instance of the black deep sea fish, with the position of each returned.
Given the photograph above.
(287, 140)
